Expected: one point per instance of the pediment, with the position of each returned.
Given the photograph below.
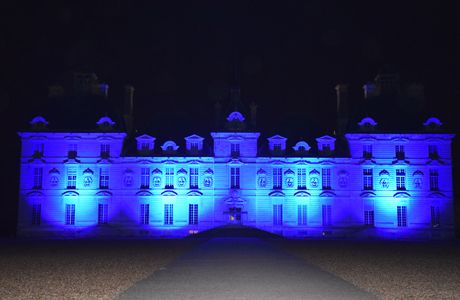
(277, 162)
(194, 193)
(144, 161)
(325, 139)
(235, 161)
(70, 194)
(182, 171)
(302, 194)
(35, 194)
(194, 137)
(277, 137)
(169, 193)
(436, 195)
(327, 194)
(157, 171)
(261, 172)
(367, 194)
(145, 137)
(276, 194)
(401, 195)
(144, 193)
(289, 172)
(103, 194)
(54, 171)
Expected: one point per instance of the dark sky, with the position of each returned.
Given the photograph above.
(288, 56)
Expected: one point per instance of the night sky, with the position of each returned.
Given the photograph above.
(286, 56)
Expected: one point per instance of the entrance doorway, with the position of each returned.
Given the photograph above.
(235, 215)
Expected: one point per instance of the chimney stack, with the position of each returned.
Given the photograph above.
(128, 112)
(342, 108)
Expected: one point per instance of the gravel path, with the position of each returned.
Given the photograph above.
(80, 269)
(388, 269)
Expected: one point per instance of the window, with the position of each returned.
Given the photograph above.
(38, 150)
(277, 147)
(326, 148)
(193, 178)
(302, 215)
(433, 152)
(369, 217)
(70, 214)
(145, 146)
(169, 214)
(104, 178)
(194, 147)
(327, 215)
(193, 214)
(368, 179)
(235, 150)
(435, 216)
(38, 178)
(400, 179)
(326, 178)
(169, 178)
(235, 178)
(145, 178)
(301, 178)
(402, 216)
(72, 151)
(400, 155)
(278, 214)
(105, 150)
(434, 180)
(36, 214)
(367, 151)
(277, 178)
(102, 213)
(145, 214)
(71, 178)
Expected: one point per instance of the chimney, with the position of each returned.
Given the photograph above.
(253, 108)
(128, 110)
(342, 108)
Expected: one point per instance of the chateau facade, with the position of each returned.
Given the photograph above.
(389, 185)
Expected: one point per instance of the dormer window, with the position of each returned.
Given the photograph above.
(169, 147)
(367, 124)
(145, 143)
(234, 150)
(72, 151)
(105, 150)
(399, 151)
(301, 148)
(38, 150)
(367, 151)
(194, 144)
(433, 152)
(277, 144)
(326, 145)
(432, 124)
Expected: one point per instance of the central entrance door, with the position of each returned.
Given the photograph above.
(235, 215)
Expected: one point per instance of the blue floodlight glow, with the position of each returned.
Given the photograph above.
(392, 185)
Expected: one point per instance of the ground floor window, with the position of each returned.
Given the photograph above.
(402, 216)
(70, 214)
(36, 214)
(369, 217)
(302, 215)
(435, 216)
(193, 214)
(327, 215)
(145, 214)
(169, 220)
(102, 213)
(278, 214)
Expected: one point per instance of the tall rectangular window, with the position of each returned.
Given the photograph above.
(105, 150)
(102, 213)
(235, 178)
(194, 147)
(36, 214)
(277, 178)
(433, 152)
(326, 178)
(369, 217)
(302, 215)
(301, 178)
(277, 148)
(400, 179)
(145, 147)
(368, 181)
(145, 214)
(169, 178)
(399, 151)
(72, 151)
(435, 216)
(278, 214)
(38, 178)
(71, 178)
(169, 218)
(235, 150)
(104, 178)
(327, 215)
(367, 151)
(402, 216)
(145, 178)
(193, 214)
(193, 178)
(39, 150)
(70, 214)
(434, 180)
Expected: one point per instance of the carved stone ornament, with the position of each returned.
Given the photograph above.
(208, 181)
(384, 180)
(54, 180)
(128, 180)
(156, 181)
(289, 181)
(262, 181)
(343, 179)
(87, 180)
(314, 182)
(181, 181)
